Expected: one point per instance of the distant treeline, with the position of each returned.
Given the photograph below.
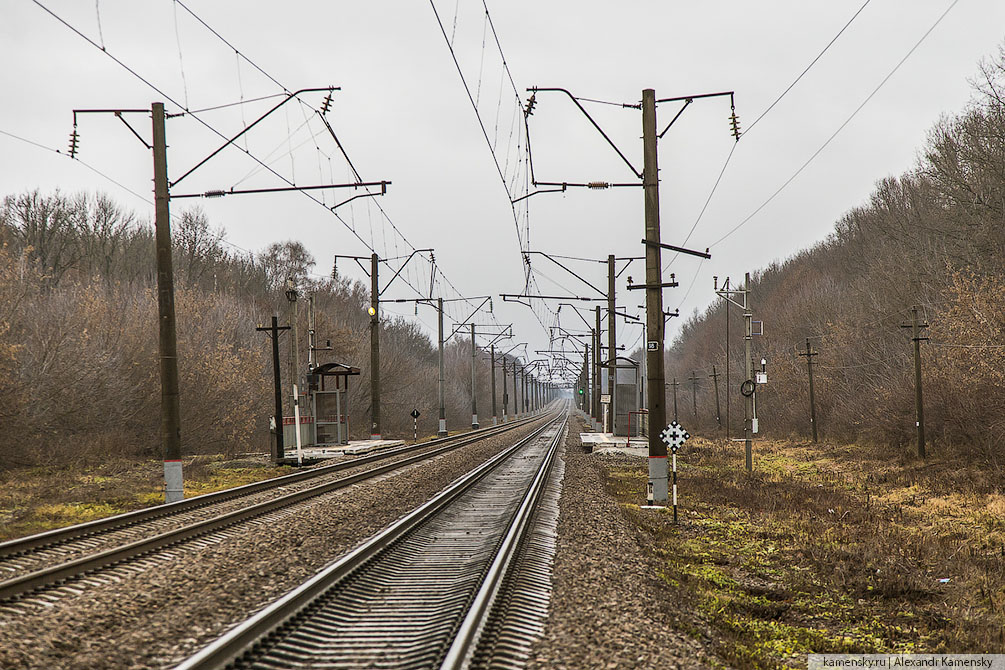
(934, 237)
(78, 337)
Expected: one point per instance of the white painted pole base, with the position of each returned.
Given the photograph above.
(443, 428)
(174, 489)
(657, 488)
(296, 421)
(474, 421)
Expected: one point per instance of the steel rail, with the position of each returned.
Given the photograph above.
(246, 635)
(45, 577)
(468, 634)
(58, 536)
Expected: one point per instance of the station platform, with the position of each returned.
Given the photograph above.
(601, 443)
(314, 454)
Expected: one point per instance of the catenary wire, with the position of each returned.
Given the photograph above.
(839, 129)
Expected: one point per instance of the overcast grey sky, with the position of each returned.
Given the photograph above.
(404, 116)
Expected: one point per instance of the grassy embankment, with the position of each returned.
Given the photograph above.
(33, 500)
(830, 549)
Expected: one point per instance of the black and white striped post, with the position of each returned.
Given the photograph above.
(674, 436)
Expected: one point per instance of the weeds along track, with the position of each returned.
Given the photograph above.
(127, 541)
(438, 588)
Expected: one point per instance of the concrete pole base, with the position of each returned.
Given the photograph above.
(443, 428)
(474, 421)
(174, 489)
(656, 492)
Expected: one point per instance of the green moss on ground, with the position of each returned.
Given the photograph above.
(826, 550)
(34, 500)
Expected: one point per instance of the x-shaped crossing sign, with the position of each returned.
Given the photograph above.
(675, 436)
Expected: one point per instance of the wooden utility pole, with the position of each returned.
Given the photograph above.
(516, 396)
(492, 361)
(505, 389)
(919, 405)
(694, 392)
(612, 351)
(748, 404)
(657, 486)
(474, 395)
(809, 369)
(523, 390)
(167, 339)
(715, 381)
(729, 395)
(279, 446)
(675, 384)
(375, 432)
(442, 432)
(598, 362)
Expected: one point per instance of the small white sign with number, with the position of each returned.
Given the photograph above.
(674, 436)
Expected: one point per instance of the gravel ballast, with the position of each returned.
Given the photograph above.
(610, 609)
(162, 615)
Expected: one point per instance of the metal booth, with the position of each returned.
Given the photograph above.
(328, 386)
(626, 393)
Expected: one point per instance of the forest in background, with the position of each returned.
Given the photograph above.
(78, 337)
(932, 237)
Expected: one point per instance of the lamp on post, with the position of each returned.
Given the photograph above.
(291, 295)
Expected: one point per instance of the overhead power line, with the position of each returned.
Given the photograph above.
(840, 128)
(808, 67)
(195, 115)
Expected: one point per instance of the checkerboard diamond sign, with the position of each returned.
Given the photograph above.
(675, 436)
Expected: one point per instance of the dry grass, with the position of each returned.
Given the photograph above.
(828, 548)
(36, 499)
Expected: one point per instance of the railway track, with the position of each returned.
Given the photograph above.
(458, 580)
(52, 558)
